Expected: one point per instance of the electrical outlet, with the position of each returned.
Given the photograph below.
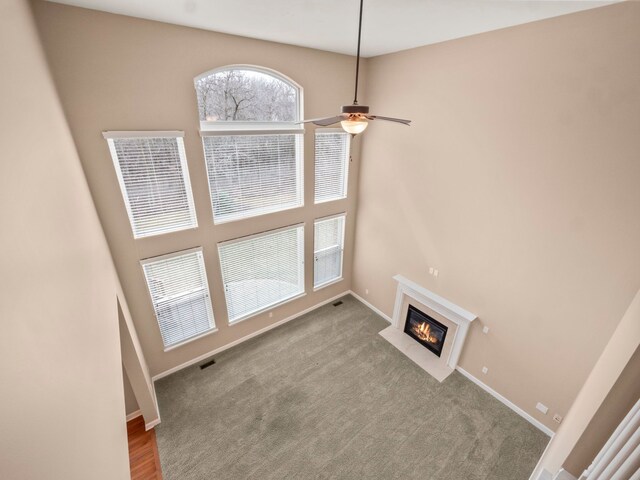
(557, 418)
(485, 370)
(543, 408)
(435, 272)
(485, 329)
(366, 291)
(430, 270)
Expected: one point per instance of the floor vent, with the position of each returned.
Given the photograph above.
(207, 364)
(338, 303)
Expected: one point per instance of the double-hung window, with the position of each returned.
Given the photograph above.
(179, 292)
(332, 164)
(262, 270)
(328, 247)
(253, 143)
(154, 180)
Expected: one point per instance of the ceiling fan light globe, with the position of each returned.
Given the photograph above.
(354, 126)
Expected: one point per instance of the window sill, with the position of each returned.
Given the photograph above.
(327, 284)
(266, 308)
(190, 339)
(164, 232)
(333, 199)
(254, 213)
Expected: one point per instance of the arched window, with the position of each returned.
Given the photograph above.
(252, 142)
(246, 94)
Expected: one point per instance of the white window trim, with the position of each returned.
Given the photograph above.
(273, 305)
(258, 212)
(143, 133)
(254, 129)
(346, 170)
(265, 210)
(169, 255)
(329, 283)
(344, 233)
(260, 234)
(228, 126)
(190, 339)
(109, 135)
(331, 217)
(266, 308)
(213, 328)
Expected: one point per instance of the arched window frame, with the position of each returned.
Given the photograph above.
(247, 128)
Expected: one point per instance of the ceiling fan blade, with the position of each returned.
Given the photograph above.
(324, 122)
(389, 119)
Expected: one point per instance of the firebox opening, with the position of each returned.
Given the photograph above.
(425, 330)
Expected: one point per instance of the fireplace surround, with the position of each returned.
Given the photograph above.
(412, 298)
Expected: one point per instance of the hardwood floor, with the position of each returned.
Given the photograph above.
(143, 451)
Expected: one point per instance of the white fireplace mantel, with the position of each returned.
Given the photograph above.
(439, 368)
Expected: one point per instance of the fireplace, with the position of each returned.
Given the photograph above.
(425, 330)
(438, 350)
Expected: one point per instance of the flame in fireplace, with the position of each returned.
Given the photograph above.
(423, 332)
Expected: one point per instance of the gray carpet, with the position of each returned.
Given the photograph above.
(325, 397)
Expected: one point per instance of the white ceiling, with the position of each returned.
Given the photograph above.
(388, 25)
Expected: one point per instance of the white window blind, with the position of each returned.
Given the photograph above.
(327, 250)
(262, 270)
(252, 175)
(153, 176)
(332, 164)
(180, 295)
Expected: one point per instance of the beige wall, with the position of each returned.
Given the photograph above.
(607, 370)
(622, 397)
(121, 73)
(130, 403)
(518, 180)
(136, 368)
(61, 406)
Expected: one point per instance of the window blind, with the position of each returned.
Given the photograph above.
(262, 270)
(332, 164)
(154, 180)
(180, 295)
(252, 175)
(328, 246)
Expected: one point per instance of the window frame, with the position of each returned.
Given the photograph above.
(244, 128)
(213, 126)
(342, 215)
(299, 148)
(301, 271)
(112, 136)
(211, 317)
(328, 131)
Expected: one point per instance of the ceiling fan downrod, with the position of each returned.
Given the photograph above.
(355, 118)
(355, 95)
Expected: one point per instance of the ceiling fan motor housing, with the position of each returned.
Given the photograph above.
(351, 109)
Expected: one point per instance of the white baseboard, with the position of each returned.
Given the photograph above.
(204, 356)
(543, 475)
(507, 402)
(151, 424)
(133, 415)
(482, 385)
(564, 475)
(367, 304)
(147, 426)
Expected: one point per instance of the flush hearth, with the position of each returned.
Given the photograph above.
(428, 329)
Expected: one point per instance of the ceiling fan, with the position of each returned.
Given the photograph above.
(355, 118)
